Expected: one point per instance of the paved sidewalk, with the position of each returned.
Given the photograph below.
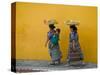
(38, 66)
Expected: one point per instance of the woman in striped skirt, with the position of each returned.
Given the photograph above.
(74, 52)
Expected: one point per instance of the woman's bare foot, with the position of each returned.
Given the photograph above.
(53, 63)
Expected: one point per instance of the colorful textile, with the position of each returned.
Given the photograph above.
(74, 54)
(54, 50)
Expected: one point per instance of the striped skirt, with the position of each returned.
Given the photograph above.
(74, 54)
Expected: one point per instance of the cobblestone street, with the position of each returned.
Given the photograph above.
(38, 66)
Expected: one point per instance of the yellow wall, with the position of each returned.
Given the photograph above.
(31, 31)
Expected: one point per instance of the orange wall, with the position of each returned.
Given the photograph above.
(31, 31)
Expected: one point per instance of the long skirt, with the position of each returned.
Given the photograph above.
(74, 54)
(54, 52)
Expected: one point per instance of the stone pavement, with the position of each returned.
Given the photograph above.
(38, 66)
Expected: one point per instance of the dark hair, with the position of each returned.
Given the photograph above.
(51, 26)
(58, 30)
(74, 28)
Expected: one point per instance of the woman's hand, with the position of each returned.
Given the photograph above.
(47, 41)
(74, 49)
(73, 44)
(45, 44)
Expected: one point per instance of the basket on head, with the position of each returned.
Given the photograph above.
(51, 21)
(71, 22)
